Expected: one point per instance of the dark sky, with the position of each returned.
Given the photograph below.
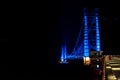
(38, 29)
(3, 33)
(3, 25)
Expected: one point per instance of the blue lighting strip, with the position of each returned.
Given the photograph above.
(63, 54)
(86, 45)
(97, 35)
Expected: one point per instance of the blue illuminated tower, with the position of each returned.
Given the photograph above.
(88, 38)
(86, 43)
(63, 54)
(97, 31)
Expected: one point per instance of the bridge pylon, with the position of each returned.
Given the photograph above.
(88, 38)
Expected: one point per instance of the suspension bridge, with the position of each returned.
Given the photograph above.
(88, 38)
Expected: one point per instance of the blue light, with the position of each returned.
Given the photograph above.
(63, 54)
(85, 41)
(86, 37)
(85, 34)
(98, 47)
(86, 46)
(97, 35)
(97, 41)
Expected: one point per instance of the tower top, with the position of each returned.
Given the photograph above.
(86, 10)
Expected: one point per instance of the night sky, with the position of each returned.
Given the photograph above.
(3, 41)
(40, 30)
(3, 33)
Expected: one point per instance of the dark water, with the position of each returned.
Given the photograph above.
(54, 71)
(72, 71)
(60, 70)
(18, 61)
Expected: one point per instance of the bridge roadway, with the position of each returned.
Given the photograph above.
(112, 67)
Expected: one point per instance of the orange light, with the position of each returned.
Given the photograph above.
(87, 60)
